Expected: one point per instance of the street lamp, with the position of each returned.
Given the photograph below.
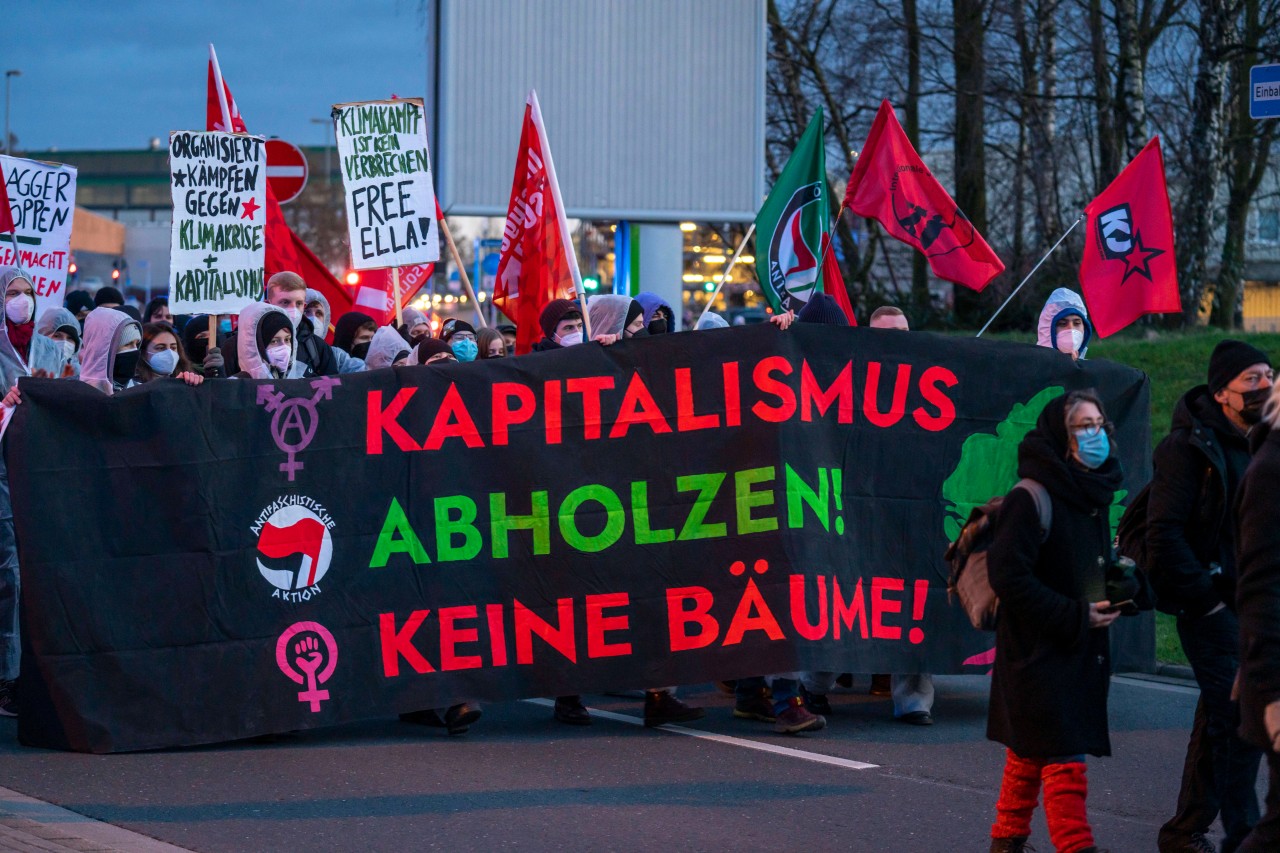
(12, 72)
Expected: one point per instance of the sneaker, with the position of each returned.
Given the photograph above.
(1016, 844)
(9, 698)
(460, 717)
(757, 706)
(916, 718)
(796, 718)
(570, 711)
(818, 703)
(662, 707)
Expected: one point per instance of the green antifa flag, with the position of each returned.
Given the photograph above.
(793, 225)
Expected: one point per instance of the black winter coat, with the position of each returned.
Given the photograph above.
(1052, 672)
(1258, 590)
(1189, 516)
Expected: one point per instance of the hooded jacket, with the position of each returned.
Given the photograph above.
(651, 302)
(42, 353)
(1196, 471)
(104, 330)
(347, 363)
(385, 346)
(1258, 595)
(252, 364)
(60, 319)
(1063, 302)
(608, 313)
(1052, 671)
(314, 295)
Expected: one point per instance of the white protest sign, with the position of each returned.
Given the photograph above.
(42, 197)
(386, 170)
(216, 251)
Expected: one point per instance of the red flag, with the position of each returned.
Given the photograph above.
(284, 250)
(6, 212)
(537, 262)
(833, 279)
(890, 183)
(374, 293)
(1128, 268)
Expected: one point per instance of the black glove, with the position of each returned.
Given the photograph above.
(214, 366)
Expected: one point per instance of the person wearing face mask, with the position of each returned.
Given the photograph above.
(266, 346)
(415, 327)
(109, 357)
(461, 338)
(352, 333)
(205, 360)
(288, 292)
(61, 326)
(1191, 549)
(22, 353)
(433, 351)
(318, 312)
(1064, 323)
(658, 316)
(561, 324)
(508, 332)
(163, 356)
(1049, 684)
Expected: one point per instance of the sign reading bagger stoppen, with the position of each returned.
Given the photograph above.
(386, 170)
(216, 253)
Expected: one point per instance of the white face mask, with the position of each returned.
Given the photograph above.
(295, 314)
(19, 308)
(278, 356)
(68, 349)
(163, 362)
(318, 323)
(1069, 340)
(571, 340)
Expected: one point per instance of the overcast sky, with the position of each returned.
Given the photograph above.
(111, 75)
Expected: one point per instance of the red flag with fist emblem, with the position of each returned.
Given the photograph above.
(1129, 268)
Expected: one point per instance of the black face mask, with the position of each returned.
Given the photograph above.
(199, 349)
(658, 326)
(639, 333)
(1254, 402)
(360, 351)
(126, 364)
(416, 339)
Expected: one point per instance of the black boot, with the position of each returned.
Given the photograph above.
(662, 707)
(570, 711)
(460, 717)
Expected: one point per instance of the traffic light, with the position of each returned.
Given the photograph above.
(590, 283)
(115, 270)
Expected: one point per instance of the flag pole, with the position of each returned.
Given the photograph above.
(727, 270)
(395, 289)
(226, 126)
(1033, 272)
(462, 271)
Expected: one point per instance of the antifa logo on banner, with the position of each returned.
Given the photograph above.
(936, 235)
(307, 653)
(294, 420)
(294, 536)
(1120, 240)
(795, 248)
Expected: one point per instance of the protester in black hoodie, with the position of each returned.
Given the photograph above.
(1049, 686)
(1192, 559)
(1258, 606)
(353, 330)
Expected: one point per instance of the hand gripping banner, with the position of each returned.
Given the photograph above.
(253, 557)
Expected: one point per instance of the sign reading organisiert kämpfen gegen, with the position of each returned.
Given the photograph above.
(386, 171)
(217, 248)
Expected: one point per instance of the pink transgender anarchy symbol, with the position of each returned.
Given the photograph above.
(307, 653)
(294, 419)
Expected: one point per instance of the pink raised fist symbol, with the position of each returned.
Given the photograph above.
(309, 660)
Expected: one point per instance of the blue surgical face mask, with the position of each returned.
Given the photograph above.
(1094, 449)
(465, 349)
(224, 326)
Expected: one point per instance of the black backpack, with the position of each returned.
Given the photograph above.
(969, 581)
(1131, 542)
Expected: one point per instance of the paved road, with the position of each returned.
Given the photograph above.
(522, 781)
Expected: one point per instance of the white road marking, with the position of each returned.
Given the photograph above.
(1157, 685)
(744, 743)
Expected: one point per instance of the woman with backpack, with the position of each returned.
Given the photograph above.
(1049, 686)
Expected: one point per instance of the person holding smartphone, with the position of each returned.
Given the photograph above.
(1052, 669)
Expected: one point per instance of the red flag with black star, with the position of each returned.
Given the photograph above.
(1129, 268)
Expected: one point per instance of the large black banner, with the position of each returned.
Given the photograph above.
(253, 557)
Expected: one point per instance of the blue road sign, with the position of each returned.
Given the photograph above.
(1264, 91)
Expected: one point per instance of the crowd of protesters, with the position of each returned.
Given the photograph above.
(1212, 537)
